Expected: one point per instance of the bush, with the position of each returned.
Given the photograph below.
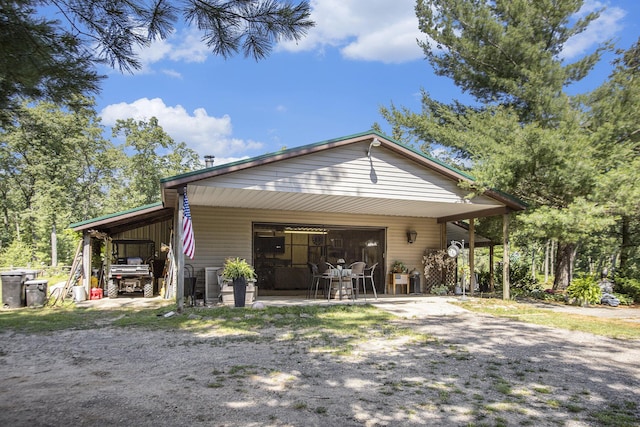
(623, 298)
(585, 290)
(629, 287)
(17, 254)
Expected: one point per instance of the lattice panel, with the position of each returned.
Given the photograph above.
(439, 269)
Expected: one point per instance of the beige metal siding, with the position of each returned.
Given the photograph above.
(158, 232)
(347, 171)
(224, 232)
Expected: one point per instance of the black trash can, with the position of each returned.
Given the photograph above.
(414, 282)
(30, 274)
(36, 292)
(13, 288)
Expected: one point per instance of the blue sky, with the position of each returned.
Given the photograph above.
(361, 55)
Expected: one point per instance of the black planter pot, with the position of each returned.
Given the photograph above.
(239, 291)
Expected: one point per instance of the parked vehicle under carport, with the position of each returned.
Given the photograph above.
(131, 270)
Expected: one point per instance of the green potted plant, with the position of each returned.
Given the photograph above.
(398, 267)
(239, 271)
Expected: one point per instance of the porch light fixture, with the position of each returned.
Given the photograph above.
(374, 143)
(411, 236)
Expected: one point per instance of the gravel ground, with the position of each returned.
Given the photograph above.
(475, 370)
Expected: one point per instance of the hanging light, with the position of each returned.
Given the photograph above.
(374, 143)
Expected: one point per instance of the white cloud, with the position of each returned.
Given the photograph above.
(181, 46)
(602, 29)
(201, 132)
(372, 30)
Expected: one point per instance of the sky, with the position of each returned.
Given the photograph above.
(361, 55)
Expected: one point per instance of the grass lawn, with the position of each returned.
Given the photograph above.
(525, 312)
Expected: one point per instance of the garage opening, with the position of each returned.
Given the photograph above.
(282, 251)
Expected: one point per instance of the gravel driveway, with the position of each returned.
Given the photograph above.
(473, 370)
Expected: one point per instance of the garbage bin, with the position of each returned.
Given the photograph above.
(30, 274)
(36, 292)
(414, 282)
(12, 288)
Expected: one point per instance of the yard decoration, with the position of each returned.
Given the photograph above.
(239, 271)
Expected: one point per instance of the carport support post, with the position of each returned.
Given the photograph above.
(472, 249)
(179, 254)
(86, 262)
(505, 256)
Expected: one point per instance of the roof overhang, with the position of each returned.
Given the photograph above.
(208, 195)
(126, 220)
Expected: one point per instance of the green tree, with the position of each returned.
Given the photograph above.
(525, 137)
(614, 120)
(55, 165)
(147, 155)
(54, 59)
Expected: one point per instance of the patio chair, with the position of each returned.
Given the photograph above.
(316, 278)
(357, 273)
(368, 274)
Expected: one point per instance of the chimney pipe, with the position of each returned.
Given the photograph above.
(208, 160)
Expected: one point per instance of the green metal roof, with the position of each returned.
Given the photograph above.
(114, 215)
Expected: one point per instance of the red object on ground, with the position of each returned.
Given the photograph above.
(96, 293)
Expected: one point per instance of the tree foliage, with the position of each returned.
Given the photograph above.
(525, 135)
(57, 168)
(147, 155)
(49, 49)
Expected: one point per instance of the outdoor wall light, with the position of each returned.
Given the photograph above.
(374, 143)
(411, 236)
(455, 248)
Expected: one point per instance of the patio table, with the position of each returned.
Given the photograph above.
(341, 275)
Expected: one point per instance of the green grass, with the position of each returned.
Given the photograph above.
(612, 328)
(337, 329)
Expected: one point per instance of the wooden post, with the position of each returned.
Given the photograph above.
(505, 256)
(472, 247)
(86, 262)
(179, 255)
(492, 285)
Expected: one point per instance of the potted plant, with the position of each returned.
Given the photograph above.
(239, 271)
(398, 267)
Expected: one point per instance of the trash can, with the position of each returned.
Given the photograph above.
(12, 288)
(414, 282)
(30, 274)
(36, 292)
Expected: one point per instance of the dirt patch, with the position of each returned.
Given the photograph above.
(476, 370)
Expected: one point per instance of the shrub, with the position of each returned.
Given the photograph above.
(629, 287)
(585, 290)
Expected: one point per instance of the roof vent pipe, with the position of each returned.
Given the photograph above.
(208, 160)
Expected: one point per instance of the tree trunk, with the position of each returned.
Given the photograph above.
(54, 247)
(547, 254)
(625, 244)
(564, 265)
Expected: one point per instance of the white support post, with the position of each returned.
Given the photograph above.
(86, 262)
(179, 256)
(472, 250)
(505, 257)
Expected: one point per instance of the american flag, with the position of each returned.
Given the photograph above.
(188, 239)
